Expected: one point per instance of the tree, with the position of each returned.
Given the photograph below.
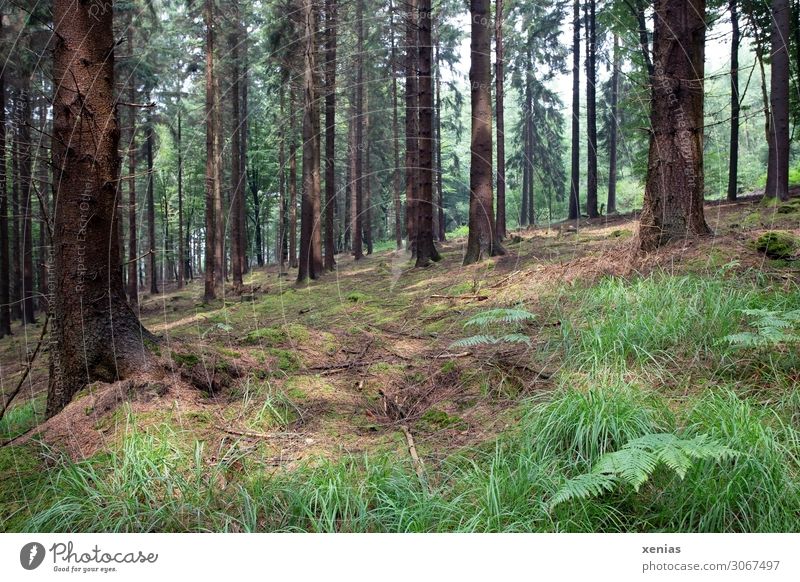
(238, 246)
(310, 236)
(398, 205)
(330, 132)
(412, 124)
(778, 163)
(501, 138)
(5, 281)
(733, 165)
(673, 198)
(211, 156)
(482, 240)
(575, 176)
(151, 268)
(133, 247)
(95, 333)
(613, 127)
(426, 250)
(591, 109)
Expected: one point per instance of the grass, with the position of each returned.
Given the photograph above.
(637, 357)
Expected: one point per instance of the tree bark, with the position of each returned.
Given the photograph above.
(426, 250)
(24, 162)
(673, 199)
(398, 204)
(412, 124)
(151, 264)
(501, 138)
(482, 241)
(281, 230)
(183, 259)
(310, 235)
(778, 161)
(575, 176)
(95, 333)
(733, 165)
(211, 104)
(330, 133)
(237, 179)
(292, 186)
(441, 222)
(5, 265)
(611, 202)
(133, 247)
(591, 110)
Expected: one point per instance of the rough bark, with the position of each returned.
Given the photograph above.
(778, 160)
(501, 138)
(426, 250)
(591, 110)
(310, 236)
(733, 165)
(398, 205)
(95, 333)
(237, 179)
(611, 201)
(673, 199)
(151, 270)
(482, 240)
(440, 223)
(412, 124)
(292, 186)
(210, 285)
(5, 265)
(183, 259)
(575, 176)
(330, 133)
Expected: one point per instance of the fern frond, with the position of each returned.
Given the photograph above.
(473, 341)
(499, 316)
(584, 487)
(514, 338)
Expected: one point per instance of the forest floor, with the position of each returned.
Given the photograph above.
(284, 379)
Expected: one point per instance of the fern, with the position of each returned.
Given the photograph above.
(636, 461)
(772, 328)
(492, 318)
(499, 316)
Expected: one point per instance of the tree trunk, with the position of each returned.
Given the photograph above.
(310, 236)
(351, 214)
(412, 124)
(330, 133)
(673, 198)
(210, 289)
(482, 240)
(24, 121)
(529, 145)
(441, 223)
(591, 110)
(244, 126)
(183, 259)
(501, 138)
(151, 269)
(95, 335)
(575, 176)
(733, 166)
(237, 183)
(426, 250)
(16, 251)
(292, 187)
(611, 202)
(281, 230)
(133, 247)
(398, 205)
(366, 203)
(5, 280)
(778, 164)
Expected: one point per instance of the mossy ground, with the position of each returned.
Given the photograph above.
(335, 364)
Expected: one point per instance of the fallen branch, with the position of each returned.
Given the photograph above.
(449, 356)
(462, 297)
(500, 283)
(415, 460)
(258, 435)
(27, 369)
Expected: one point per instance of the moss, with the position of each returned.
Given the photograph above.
(297, 333)
(448, 366)
(287, 361)
(266, 335)
(777, 245)
(230, 353)
(622, 233)
(356, 297)
(188, 360)
(438, 419)
(152, 346)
